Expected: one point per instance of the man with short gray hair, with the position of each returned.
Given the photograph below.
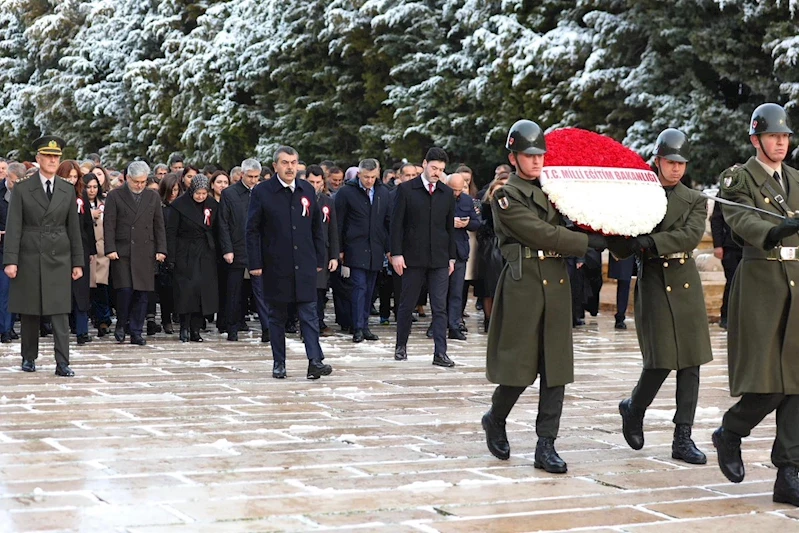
(159, 171)
(235, 174)
(362, 209)
(133, 226)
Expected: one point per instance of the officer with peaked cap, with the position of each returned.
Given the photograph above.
(43, 254)
(763, 316)
(530, 334)
(670, 313)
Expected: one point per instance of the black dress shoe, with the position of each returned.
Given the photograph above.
(167, 328)
(369, 336)
(233, 336)
(291, 327)
(83, 338)
(429, 332)
(265, 336)
(184, 334)
(373, 311)
(317, 369)
(578, 322)
(137, 340)
(194, 336)
(152, 328)
(442, 359)
(119, 334)
(684, 448)
(723, 323)
(486, 323)
(546, 458)
(244, 327)
(5, 338)
(496, 437)
(102, 330)
(14, 334)
(28, 366)
(786, 488)
(456, 335)
(620, 324)
(462, 327)
(357, 336)
(728, 447)
(400, 353)
(632, 424)
(63, 370)
(279, 370)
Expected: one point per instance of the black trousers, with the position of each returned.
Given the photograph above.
(730, 260)
(131, 309)
(687, 391)
(438, 283)
(29, 331)
(622, 299)
(342, 304)
(233, 300)
(385, 290)
(550, 404)
(752, 408)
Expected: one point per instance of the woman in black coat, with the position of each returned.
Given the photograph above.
(169, 190)
(489, 256)
(190, 235)
(81, 292)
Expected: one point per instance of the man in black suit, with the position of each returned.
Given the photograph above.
(285, 250)
(133, 227)
(362, 207)
(730, 253)
(232, 240)
(423, 249)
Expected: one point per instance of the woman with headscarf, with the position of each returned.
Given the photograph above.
(190, 235)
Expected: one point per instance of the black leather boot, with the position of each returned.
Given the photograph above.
(684, 448)
(728, 447)
(546, 458)
(632, 424)
(496, 438)
(786, 488)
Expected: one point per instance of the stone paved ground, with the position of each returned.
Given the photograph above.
(199, 438)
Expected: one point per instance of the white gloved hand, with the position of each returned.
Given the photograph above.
(345, 272)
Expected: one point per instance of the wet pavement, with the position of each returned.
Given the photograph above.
(193, 437)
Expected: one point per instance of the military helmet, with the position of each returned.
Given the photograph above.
(527, 137)
(672, 144)
(769, 118)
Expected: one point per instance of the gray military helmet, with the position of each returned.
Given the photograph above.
(769, 118)
(527, 137)
(672, 144)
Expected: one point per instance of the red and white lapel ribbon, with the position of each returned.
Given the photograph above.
(325, 214)
(207, 219)
(306, 203)
(80, 206)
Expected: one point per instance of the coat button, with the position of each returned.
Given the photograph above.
(668, 288)
(295, 247)
(682, 261)
(792, 283)
(686, 286)
(767, 200)
(293, 227)
(546, 282)
(665, 264)
(562, 282)
(296, 267)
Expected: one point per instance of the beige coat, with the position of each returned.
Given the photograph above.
(100, 265)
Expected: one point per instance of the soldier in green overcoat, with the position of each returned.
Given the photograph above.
(43, 254)
(530, 332)
(670, 314)
(763, 317)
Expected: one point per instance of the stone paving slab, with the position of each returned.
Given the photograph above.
(177, 437)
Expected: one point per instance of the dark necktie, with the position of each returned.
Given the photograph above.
(778, 180)
(49, 191)
(430, 185)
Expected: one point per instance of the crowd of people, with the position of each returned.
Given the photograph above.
(175, 260)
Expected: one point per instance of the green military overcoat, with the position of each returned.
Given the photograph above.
(670, 314)
(531, 317)
(43, 239)
(763, 317)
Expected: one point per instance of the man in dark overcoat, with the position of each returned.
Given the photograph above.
(530, 333)
(316, 177)
(423, 249)
(43, 253)
(233, 243)
(135, 238)
(362, 209)
(670, 313)
(286, 249)
(763, 316)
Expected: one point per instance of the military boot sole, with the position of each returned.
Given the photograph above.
(698, 460)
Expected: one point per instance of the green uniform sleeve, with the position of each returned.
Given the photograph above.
(514, 218)
(686, 237)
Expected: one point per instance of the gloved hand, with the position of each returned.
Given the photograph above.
(345, 272)
(786, 228)
(597, 241)
(621, 247)
(645, 243)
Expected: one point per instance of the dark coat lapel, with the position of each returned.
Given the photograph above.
(764, 182)
(185, 205)
(35, 183)
(60, 194)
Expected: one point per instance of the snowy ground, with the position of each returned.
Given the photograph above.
(178, 437)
